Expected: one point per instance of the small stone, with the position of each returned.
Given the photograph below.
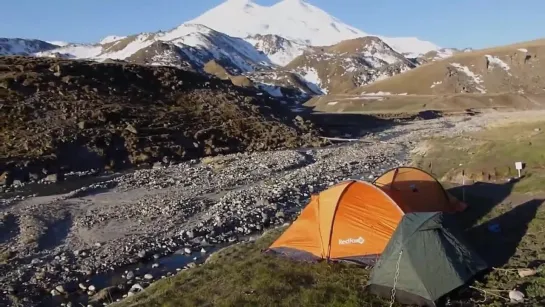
(187, 250)
(191, 265)
(60, 288)
(98, 244)
(91, 288)
(142, 254)
(82, 287)
(130, 275)
(51, 178)
(516, 296)
(155, 265)
(148, 276)
(156, 256)
(136, 288)
(203, 250)
(54, 292)
(157, 165)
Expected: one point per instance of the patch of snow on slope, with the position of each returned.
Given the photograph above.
(218, 44)
(295, 20)
(444, 53)
(274, 91)
(381, 93)
(332, 103)
(74, 51)
(310, 75)
(476, 78)
(140, 42)
(497, 61)
(436, 83)
(163, 59)
(111, 39)
(58, 43)
(286, 53)
(412, 47)
(523, 50)
(378, 51)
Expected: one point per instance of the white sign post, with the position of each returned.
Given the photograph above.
(519, 166)
(464, 185)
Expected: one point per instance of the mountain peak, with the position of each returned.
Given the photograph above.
(296, 20)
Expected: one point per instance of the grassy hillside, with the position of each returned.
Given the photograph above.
(512, 68)
(412, 104)
(243, 276)
(489, 156)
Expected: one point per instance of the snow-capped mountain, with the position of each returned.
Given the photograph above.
(20, 46)
(298, 21)
(307, 50)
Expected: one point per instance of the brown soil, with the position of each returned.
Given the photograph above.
(77, 115)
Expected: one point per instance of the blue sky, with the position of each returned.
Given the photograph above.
(448, 23)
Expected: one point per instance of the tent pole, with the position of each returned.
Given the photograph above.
(394, 178)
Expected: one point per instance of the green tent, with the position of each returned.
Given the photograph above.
(432, 258)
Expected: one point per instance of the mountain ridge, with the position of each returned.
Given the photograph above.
(295, 20)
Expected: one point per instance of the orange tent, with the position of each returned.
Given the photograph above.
(415, 188)
(354, 220)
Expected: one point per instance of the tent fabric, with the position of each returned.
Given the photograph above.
(352, 221)
(416, 189)
(433, 260)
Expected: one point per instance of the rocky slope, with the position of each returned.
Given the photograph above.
(517, 68)
(349, 64)
(74, 115)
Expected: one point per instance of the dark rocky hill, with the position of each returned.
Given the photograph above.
(65, 115)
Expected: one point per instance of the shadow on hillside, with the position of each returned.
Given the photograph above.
(497, 248)
(497, 239)
(482, 198)
(349, 125)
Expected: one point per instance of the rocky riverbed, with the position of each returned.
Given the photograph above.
(124, 232)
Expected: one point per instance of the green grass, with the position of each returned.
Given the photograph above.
(490, 156)
(243, 276)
